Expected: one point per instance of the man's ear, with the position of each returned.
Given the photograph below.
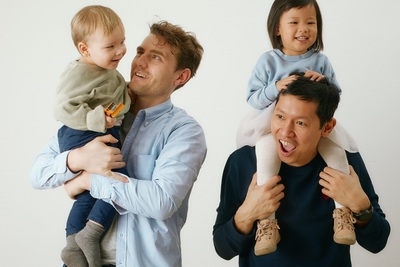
(328, 127)
(184, 76)
(83, 49)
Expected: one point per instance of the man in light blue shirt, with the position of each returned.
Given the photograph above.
(163, 148)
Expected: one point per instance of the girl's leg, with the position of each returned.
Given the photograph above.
(335, 157)
(254, 125)
(268, 162)
(268, 165)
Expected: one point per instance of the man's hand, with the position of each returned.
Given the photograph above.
(260, 202)
(118, 177)
(82, 182)
(96, 156)
(344, 189)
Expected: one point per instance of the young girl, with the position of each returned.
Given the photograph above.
(87, 87)
(295, 31)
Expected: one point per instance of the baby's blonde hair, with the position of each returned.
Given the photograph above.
(89, 18)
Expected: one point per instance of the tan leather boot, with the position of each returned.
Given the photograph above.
(267, 236)
(343, 226)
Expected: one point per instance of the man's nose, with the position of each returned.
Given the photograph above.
(287, 128)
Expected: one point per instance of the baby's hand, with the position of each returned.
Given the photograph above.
(313, 75)
(110, 122)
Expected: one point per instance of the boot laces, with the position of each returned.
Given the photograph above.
(266, 228)
(344, 219)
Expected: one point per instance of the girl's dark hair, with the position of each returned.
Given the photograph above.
(323, 93)
(281, 6)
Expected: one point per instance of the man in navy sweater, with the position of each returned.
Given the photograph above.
(303, 193)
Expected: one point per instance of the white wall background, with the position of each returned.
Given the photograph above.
(361, 39)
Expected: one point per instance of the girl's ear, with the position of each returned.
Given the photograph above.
(278, 33)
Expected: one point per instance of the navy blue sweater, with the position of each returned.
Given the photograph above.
(304, 216)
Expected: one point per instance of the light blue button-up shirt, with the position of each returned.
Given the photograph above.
(164, 151)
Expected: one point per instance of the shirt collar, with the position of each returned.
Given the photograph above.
(307, 54)
(152, 113)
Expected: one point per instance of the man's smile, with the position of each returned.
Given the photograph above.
(139, 74)
(287, 146)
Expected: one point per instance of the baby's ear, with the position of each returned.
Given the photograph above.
(83, 49)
